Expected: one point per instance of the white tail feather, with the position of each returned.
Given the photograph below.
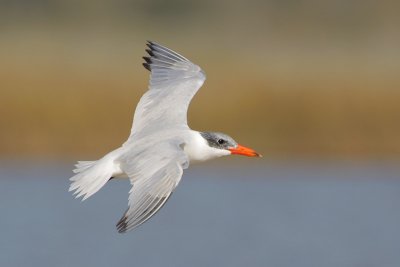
(91, 176)
(83, 165)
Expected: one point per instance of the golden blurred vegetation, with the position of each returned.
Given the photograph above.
(290, 78)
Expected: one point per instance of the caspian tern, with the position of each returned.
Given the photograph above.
(161, 144)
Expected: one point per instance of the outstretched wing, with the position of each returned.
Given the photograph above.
(154, 174)
(174, 80)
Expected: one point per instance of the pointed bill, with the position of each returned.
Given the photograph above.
(245, 151)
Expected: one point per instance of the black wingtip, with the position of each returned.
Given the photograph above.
(150, 52)
(122, 225)
(147, 66)
(163, 55)
(147, 59)
(149, 45)
(147, 63)
(150, 42)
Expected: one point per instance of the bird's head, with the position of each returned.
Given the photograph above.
(225, 142)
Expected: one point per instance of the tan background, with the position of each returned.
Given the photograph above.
(294, 79)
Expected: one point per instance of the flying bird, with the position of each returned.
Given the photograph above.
(161, 144)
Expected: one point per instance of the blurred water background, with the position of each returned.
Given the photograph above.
(312, 85)
(298, 214)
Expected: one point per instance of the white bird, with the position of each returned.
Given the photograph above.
(161, 144)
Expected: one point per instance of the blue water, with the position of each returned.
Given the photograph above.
(276, 215)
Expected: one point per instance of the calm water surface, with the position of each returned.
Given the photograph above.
(275, 215)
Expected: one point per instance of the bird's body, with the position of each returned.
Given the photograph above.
(161, 143)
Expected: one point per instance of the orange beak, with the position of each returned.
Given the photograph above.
(245, 151)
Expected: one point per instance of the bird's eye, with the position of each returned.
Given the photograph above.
(221, 141)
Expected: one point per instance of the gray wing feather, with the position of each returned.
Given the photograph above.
(174, 80)
(156, 169)
(154, 174)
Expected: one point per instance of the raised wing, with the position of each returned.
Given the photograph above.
(174, 80)
(154, 174)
